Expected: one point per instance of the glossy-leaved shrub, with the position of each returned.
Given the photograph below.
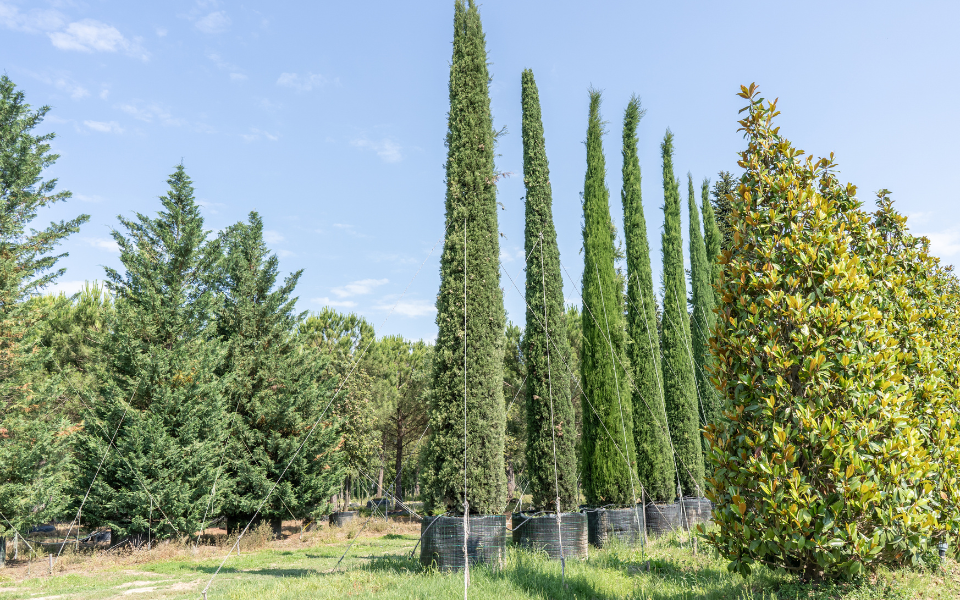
(837, 446)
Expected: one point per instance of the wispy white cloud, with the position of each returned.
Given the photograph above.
(407, 308)
(386, 148)
(104, 126)
(85, 198)
(211, 207)
(392, 257)
(104, 94)
(33, 21)
(255, 134)
(236, 73)
(272, 237)
(285, 253)
(215, 22)
(64, 83)
(89, 35)
(358, 288)
(303, 83)
(944, 243)
(151, 112)
(346, 228)
(107, 244)
(334, 303)
(507, 256)
(161, 32)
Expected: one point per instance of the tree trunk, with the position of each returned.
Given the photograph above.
(380, 483)
(398, 461)
(511, 480)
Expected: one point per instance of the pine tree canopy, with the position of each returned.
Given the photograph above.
(468, 360)
(679, 386)
(35, 452)
(654, 454)
(162, 395)
(608, 459)
(551, 431)
(274, 388)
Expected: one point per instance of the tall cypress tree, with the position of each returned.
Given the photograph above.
(470, 313)
(701, 274)
(712, 243)
(680, 394)
(162, 396)
(722, 208)
(274, 389)
(608, 456)
(654, 456)
(551, 430)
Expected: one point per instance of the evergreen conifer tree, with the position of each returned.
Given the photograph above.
(551, 431)
(35, 445)
(274, 390)
(722, 208)
(654, 455)
(701, 274)
(712, 401)
(162, 400)
(679, 386)
(468, 360)
(608, 457)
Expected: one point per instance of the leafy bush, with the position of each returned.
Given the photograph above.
(838, 447)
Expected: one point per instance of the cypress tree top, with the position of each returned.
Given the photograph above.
(470, 314)
(654, 455)
(608, 456)
(551, 429)
(680, 394)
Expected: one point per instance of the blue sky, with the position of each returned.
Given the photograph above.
(328, 118)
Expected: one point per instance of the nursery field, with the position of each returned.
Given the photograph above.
(379, 565)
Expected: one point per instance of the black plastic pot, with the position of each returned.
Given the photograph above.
(441, 541)
(605, 524)
(696, 511)
(339, 519)
(539, 532)
(662, 518)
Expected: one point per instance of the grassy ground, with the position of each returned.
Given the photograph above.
(379, 565)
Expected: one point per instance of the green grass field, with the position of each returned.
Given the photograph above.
(379, 565)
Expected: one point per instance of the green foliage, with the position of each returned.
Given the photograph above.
(343, 342)
(402, 372)
(515, 395)
(838, 450)
(679, 384)
(273, 389)
(654, 454)
(468, 360)
(607, 458)
(702, 317)
(551, 430)
(162, 400)
(712, 242)
(35, 458)
(721, 204)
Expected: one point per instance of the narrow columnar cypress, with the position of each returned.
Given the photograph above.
(700, 276)
(712, 243)
(680, 394)
(470, 325)
(654, 456)
(551, 430)
(608, 449)
(722, 208)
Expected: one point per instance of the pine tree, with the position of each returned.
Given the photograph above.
(608, 459)
(551, 431)
(701, 274)
(679, 386)
(468, 365)
(654, 455)
(163, 399)
(273, 390)
(35, 452)
(722, 208)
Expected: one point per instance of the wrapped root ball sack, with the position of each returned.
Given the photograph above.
(441, 541)
(622, 523)
(539, 532)
(662, 518)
